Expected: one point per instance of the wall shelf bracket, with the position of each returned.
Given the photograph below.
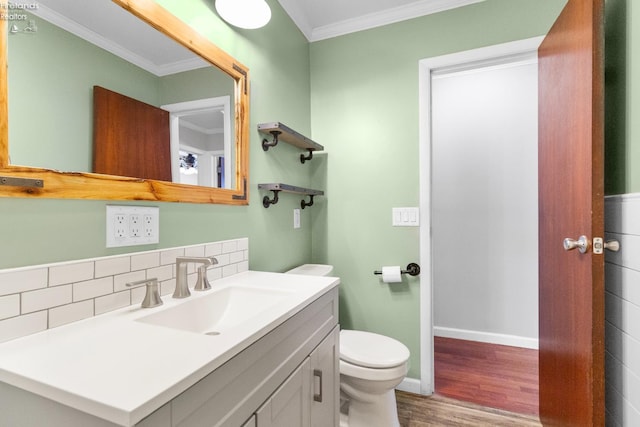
(304, 158)
(304, 203)
(266, 201)
(265, 142)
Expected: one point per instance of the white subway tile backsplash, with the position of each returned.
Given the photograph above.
(161, 273)
(9, 306)
(235, 257)
(230, 246)
(623, 282)
(214, 273)
(70, 313)
(13, 282)
(92, 288)
(622, 310)
(168, 287)
(113, 266)
(112, 302)
(35, 298)
(229, 270)
(120, 281)
(169, 256)
(46, 298)
(243, 266)
(622, 213)
(20, 326)
(144, 261)
(213, 249)
(195, 251)
(243, 244)
(623, 347)
(223, 259)
(69, 273)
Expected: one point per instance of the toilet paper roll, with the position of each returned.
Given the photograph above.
(391, 274)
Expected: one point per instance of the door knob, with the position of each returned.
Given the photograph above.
(582, 244)
(599, 244)
(612, 245)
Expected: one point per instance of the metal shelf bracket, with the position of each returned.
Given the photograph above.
(265, 142)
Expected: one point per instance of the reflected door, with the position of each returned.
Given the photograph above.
(138, 146)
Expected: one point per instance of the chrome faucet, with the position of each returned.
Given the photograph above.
(182, 285)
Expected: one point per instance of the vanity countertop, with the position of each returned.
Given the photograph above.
(120, 369)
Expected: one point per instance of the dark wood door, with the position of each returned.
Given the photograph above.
(571, 185)
(130, 138)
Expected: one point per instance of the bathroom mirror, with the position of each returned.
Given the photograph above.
(227, 81)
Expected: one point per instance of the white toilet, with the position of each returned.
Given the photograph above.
(371, 366)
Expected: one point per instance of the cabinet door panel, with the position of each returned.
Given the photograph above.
(325, 359)
(290, 404)
(251, 422)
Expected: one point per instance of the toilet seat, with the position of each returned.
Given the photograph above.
(369, 350)
(373, 374)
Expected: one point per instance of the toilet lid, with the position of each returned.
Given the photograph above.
(371, 350)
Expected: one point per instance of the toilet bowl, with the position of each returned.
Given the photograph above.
(371, 366)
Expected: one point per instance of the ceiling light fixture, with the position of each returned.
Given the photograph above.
(248, 14)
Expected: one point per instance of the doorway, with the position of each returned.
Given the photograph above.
(474, 245)
(201, 135)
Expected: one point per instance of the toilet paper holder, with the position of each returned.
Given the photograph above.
(413, 269)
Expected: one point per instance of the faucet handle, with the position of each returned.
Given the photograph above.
(152, 296)
(203, 282)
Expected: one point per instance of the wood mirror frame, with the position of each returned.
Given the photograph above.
(81, 185)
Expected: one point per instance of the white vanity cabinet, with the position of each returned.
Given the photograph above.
(310, 396)
(272, 378)
(275, 371)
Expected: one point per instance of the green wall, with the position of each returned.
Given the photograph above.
(42, 231)
(364, 109)
(622, 96)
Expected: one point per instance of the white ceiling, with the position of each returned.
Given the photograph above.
(117, 31)
(323, 19)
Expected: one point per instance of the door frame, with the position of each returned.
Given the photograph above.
(186, 108)
(472, 59)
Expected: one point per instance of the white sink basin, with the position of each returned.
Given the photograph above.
(219, 310)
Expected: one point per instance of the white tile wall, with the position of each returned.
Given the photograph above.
(622, 311)
(39, 297)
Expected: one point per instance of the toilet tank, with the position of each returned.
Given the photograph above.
(312, 270)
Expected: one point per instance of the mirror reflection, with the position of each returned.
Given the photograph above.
(52, 74)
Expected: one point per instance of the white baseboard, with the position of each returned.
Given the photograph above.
(410, 385)
(488, 337)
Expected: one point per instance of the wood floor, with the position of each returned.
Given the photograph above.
(431, 411)
(476, 384)
(491, 375)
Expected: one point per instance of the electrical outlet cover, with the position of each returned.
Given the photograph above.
(132, 225)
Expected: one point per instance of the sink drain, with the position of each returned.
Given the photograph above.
(212, 333)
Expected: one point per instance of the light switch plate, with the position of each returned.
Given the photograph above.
(296, 218)
(132, 225)
(405, 217)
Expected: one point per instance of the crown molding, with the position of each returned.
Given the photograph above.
(372, 20)
(96, 39)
